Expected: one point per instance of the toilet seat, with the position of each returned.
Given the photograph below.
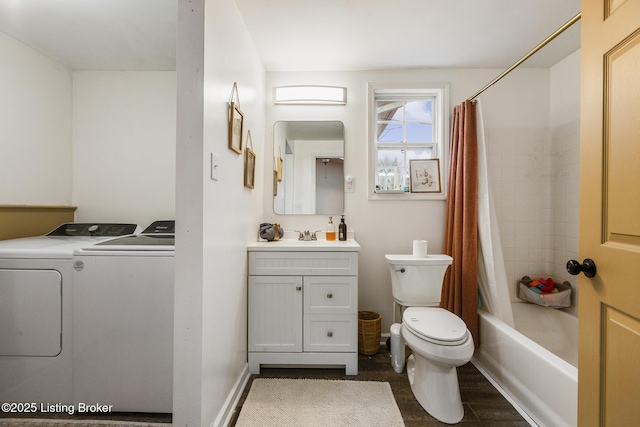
(435, 325)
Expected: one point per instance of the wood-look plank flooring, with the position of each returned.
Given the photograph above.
(484, 406)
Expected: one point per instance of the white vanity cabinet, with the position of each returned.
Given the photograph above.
(303, 307)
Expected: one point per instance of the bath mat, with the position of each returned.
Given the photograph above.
(275, 402)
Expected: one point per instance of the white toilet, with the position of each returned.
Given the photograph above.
(439, 340)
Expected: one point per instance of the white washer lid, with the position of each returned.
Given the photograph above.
(435, 324)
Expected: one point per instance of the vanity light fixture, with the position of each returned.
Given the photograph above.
(310, 95)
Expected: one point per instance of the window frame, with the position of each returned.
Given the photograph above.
(440, 91)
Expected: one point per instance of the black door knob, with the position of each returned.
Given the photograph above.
(588, 267)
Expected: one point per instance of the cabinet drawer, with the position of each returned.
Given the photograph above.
(303, 263)
(330, 295)
(337, 333)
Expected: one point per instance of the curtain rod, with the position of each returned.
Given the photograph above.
(528, 55)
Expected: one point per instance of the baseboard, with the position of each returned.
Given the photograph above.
(226, 413)
(503, 392)
(383, 338)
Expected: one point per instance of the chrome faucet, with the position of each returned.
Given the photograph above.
(306, 235)
(303, 235)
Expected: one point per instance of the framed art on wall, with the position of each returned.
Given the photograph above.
(275, 183)
(249, 168)
(279, 170)
(278, 166)
(236, 127)
(249, 163)
(425, 176)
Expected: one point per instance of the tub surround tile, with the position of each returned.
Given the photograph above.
(534, 180)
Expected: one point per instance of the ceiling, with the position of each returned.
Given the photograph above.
(303, 35)
(96, 34)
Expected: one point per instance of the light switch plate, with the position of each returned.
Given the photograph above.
(348, 184)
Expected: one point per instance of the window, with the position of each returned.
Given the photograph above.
(405, 123)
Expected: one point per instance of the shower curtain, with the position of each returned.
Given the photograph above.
(460, 285)
(472, 236)
(492, 277)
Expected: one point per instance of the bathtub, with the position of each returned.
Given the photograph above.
(538, 372)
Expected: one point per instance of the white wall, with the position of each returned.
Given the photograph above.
(534, 175)
(102, 141)
(521, 100)
(124, 131)
(565, 90)
(35, 130)
(214, 219)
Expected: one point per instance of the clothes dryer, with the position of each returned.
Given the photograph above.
(123, 321)
(36, 355)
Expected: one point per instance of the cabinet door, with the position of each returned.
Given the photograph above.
(275, 314)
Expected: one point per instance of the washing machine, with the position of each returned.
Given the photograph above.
(123, 321)
(36, 341)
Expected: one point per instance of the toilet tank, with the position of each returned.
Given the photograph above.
(417, 281)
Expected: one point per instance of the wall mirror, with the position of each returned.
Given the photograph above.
(308, 167)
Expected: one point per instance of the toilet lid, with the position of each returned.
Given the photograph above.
(435, 324)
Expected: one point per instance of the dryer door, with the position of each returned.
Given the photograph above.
(30, 312)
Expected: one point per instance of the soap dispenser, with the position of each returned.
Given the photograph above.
(331, 231)
(342, 230)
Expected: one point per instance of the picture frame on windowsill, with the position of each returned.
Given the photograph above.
(425, 176)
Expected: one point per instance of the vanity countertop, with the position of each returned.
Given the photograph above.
(295, 245)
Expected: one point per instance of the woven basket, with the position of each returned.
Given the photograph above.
(369, 325)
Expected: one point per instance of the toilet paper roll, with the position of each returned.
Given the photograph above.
(420, 248)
